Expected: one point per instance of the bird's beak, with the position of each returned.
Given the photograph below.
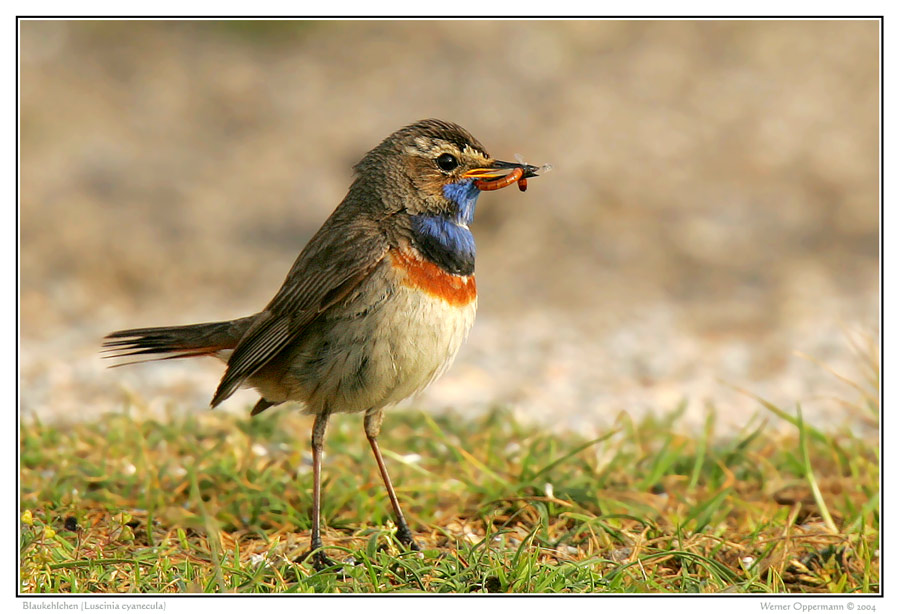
(499, 169)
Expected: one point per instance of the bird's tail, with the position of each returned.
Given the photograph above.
(167, 342)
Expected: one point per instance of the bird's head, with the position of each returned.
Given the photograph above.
(435, 168)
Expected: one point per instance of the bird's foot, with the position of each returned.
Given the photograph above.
(316, 558)
(404, 536)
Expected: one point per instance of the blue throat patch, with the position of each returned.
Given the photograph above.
(446, 239)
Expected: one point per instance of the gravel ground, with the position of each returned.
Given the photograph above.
(713, 208)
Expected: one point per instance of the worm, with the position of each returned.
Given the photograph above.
(495, 184)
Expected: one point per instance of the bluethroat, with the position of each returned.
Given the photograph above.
(376, 305)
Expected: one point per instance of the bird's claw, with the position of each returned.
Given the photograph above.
(318, 559)
(404, 536)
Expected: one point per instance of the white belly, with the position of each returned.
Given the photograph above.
(416, 342)
(368, 360)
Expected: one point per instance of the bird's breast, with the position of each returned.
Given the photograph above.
(445, 241)
(418, 272)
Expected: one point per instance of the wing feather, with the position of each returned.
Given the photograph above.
(344, 252)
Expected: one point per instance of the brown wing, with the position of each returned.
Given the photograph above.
(340, 256)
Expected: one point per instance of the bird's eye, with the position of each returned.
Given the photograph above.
(447, 162)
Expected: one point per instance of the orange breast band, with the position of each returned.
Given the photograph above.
(458, 290)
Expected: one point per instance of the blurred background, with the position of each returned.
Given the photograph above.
(711, 220)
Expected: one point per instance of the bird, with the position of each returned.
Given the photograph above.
(374, 308)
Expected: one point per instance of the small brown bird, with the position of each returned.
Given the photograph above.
(375, 307)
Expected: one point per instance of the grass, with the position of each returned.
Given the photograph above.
(216, 503)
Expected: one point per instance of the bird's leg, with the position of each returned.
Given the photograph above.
(319, 560)
(373, 427)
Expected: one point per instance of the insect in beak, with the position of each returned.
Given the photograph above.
(501, 174)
